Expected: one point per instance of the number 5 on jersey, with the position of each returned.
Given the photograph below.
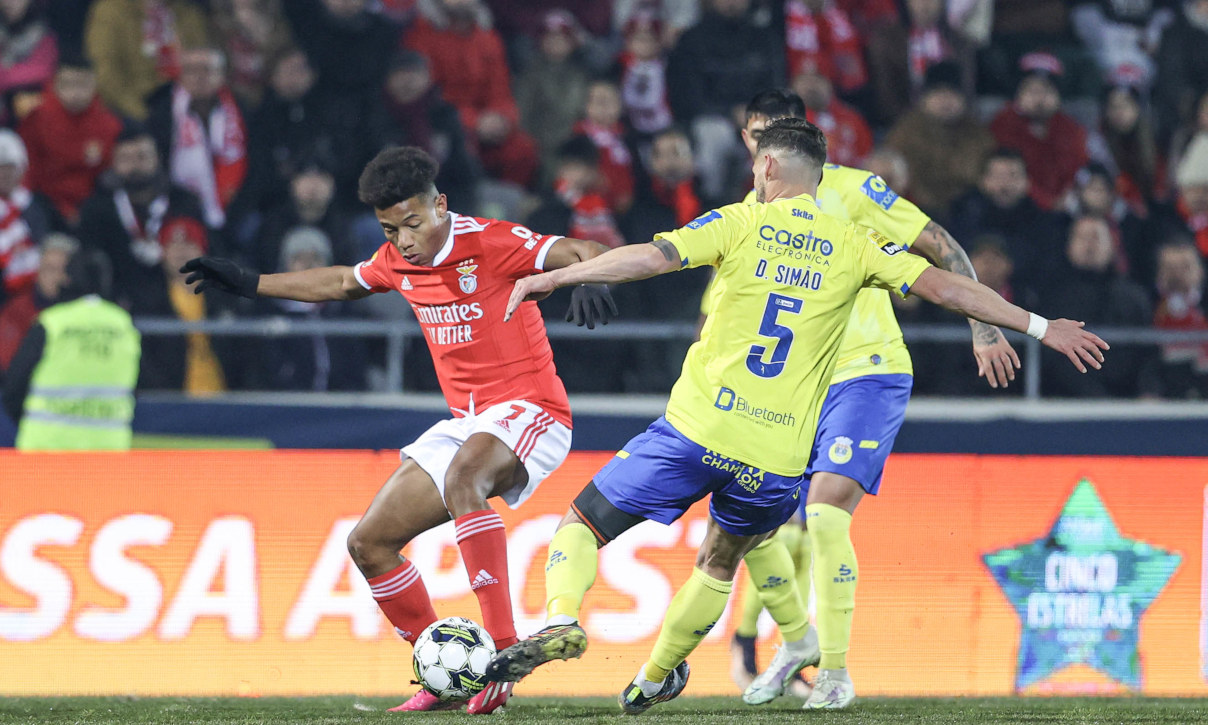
(770, 327)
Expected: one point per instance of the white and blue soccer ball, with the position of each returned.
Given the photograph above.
(451, 658)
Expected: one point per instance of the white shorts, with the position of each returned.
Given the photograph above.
(540, 442)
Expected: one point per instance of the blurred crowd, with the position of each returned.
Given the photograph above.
(1065, 144)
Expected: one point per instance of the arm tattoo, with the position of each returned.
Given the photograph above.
(668, 250)
(953, 258)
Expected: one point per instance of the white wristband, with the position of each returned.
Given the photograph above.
(1037, 326)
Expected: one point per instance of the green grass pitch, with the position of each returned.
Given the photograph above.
(577, 711)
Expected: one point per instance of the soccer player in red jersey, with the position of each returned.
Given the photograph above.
(511, 424)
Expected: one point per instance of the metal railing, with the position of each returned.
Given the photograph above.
(397, 332)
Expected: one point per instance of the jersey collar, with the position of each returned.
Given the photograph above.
(446, 250)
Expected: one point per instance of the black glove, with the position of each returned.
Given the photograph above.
(223, 274)
(589, 304)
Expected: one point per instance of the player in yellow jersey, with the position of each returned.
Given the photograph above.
(741, 418)
(860, 420)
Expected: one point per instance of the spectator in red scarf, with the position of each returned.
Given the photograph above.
(1181, 370)
(18, 314)
(575, 207)
(251, 33)
(848, 138)
(28, 54)
(551, 91)
(24, 219)
(69, 139)
(819, 35)
(669, 198)
(135, 46)
(602, 124)
(899, 55)
(469, 65)
(1052, 143)
(643, 73)
(201, 132)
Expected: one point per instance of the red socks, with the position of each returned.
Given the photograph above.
(484, 549)
(404, 599)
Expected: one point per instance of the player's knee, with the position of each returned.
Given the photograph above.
(466, 489)
(369, 551)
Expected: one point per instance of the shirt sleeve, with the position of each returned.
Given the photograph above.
(886, 263)
(706, 239)
(876, 205)
(523, 251)
(374, 274)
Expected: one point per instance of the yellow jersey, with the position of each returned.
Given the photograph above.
(787, 276)
(873, 344)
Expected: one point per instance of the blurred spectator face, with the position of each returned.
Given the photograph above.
(1097, 196)
(1195, 197)
(10, 178)
(312, 191)
(52, 272)
(181, 247)
(945, 105)
(890, 166)
(730, 8)
(992, 265)
(814, 88)
(344, 9)
(292, 77)
(925, 13)
(1090, 245)
(14, 10)
(575, 175)
(671, 158)
(304, 260)
(1037, 97)
(136, 163)
(1005, 182)
(1180, 270)
(603, 104)
(201, 73)
(406, 85)
(1121, 111)
(642, 42)
(464, 12)
(75, 88)
(557, 45)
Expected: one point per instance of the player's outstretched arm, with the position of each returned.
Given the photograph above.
(322, 284)
(590, 303)
(996, 359)
(623, 264)
(973, 299)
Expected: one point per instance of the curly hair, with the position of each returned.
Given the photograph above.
(796, 136)
(397, 174)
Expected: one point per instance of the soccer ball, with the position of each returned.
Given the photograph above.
(451, 658)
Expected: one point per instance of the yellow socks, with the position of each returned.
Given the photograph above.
(801, 559)
(694, 610)
(752, 607)
(771, 567)
(835, 573)
(570, 571)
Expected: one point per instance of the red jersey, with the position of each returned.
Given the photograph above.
(460, 300)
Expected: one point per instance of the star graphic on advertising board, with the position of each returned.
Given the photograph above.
(1080, 591)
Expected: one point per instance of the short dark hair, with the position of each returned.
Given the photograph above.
(776, 103)
(796, 136)
(578, 149)
(88, 273)
(133, 130)
(396, 174)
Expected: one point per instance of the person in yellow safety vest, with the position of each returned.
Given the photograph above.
(71, 384)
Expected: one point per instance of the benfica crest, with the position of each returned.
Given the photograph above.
(468, 281)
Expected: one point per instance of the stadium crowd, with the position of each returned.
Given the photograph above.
(1065, 144)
